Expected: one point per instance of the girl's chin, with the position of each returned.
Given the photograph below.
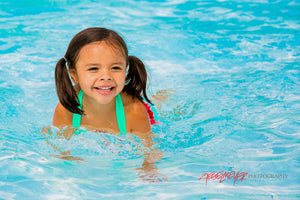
(105, 97)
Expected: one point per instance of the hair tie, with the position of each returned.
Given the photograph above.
(65, 59)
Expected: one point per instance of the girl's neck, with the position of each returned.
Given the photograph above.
(99, 116)
(90, 106)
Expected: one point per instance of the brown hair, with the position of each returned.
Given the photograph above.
(136, 79)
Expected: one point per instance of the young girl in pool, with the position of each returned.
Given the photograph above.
(108, 85)
(107, 93)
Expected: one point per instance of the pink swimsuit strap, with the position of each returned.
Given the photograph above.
(150, 113)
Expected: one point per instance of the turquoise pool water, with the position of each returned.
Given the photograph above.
(234, 67)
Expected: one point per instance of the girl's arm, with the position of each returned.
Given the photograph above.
(66, 134)
(139, 124)
(148, 171)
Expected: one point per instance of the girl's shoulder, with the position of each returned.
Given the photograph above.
(137, 119)
(133, 104)
(62, 117)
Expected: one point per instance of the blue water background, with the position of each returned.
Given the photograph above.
(234, 67)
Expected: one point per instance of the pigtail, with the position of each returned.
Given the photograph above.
(64, 88)
(136, 79)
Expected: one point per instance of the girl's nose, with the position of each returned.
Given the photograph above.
(105, 76)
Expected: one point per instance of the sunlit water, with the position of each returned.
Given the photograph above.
(234, 67)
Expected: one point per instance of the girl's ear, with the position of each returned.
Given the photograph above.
(73, 75)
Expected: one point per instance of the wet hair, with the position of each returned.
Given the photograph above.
(135, 81)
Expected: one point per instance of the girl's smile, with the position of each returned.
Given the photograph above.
(104, 90)
(100, 72)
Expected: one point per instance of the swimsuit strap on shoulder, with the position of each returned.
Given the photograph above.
(151, 111)
(76, 117)
(120, 114)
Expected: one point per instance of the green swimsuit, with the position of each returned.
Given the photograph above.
(119, 112)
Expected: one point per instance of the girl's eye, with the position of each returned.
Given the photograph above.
(93, 69)
(116, 68)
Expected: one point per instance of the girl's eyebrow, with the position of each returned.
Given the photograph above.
(92, 64)
(97, 64)
(118, 63)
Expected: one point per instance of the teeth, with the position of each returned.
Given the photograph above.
(104, 88)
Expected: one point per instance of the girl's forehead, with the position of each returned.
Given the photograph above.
(104, 45)
(100, 52)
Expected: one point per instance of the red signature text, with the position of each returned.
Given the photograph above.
(222, 176)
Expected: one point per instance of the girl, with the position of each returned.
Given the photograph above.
(107, 93)
(108, 86)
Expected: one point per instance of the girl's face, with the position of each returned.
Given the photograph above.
(100, 71)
